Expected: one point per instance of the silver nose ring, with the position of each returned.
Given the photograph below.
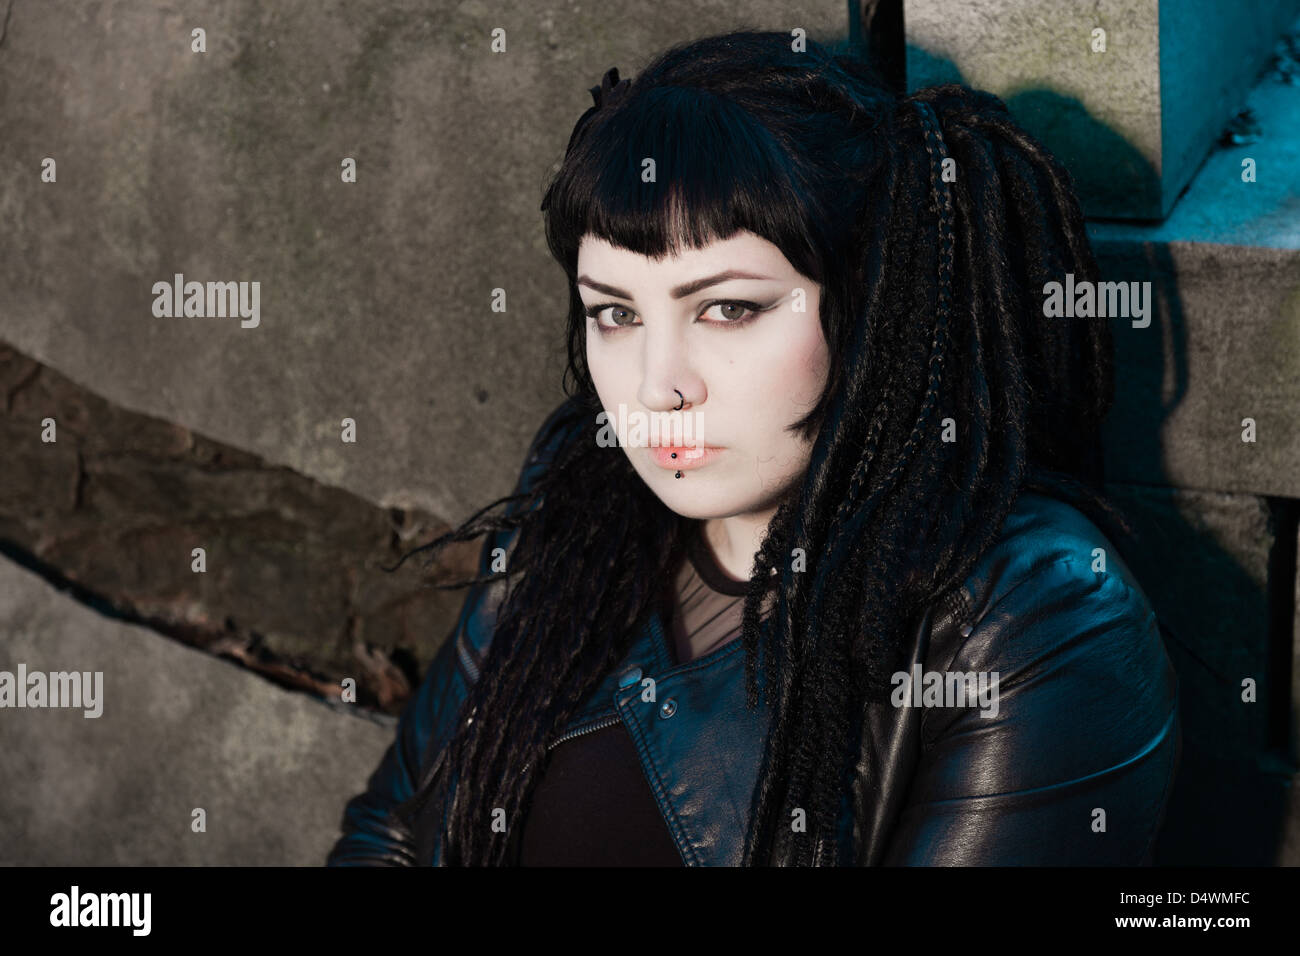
(681, 401)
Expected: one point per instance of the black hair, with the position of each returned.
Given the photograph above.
(932, 280)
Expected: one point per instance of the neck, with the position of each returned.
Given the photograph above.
(735, 540)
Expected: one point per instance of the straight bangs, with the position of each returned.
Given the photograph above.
(673, 169)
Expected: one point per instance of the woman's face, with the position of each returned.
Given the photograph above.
(746, 371)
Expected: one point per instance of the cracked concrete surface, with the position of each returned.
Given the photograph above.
(180, 730)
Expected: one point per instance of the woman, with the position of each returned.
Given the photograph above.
(884, 619)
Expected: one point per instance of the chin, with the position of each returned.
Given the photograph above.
(691, 510)
(698, 501)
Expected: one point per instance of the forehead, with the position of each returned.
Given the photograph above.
(599, 259)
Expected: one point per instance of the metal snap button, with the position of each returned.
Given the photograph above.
(630, 677)
(667, 708)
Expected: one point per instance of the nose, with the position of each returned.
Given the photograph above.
(666, 371)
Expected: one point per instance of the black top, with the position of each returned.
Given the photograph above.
(592, 805)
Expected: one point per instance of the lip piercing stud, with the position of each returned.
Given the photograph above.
(678, 475)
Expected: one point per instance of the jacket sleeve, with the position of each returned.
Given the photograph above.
(372, 834)
(1073, 764)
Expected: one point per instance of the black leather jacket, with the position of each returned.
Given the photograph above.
(1074, 768)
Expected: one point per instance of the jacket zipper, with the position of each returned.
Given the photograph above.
(472, 672)
(601, 724)
(585, 729)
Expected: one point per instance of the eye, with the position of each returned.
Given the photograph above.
(732, 311)
(594, 312)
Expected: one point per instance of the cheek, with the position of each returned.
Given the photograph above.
(797, 366)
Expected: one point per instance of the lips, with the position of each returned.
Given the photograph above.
(688, 456)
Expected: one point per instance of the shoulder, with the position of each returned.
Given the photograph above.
(1053, 592)
(1047, 551)
(1082, 709)
(1054, 611)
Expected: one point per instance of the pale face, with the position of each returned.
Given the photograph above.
(747, 373)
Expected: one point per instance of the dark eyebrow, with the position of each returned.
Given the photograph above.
(682, 291)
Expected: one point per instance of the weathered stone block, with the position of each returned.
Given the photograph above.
(292, 581)
(1131, 123)
(1223, 340)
